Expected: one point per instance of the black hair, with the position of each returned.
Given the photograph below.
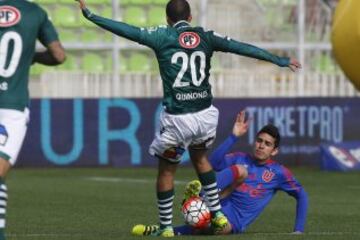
(272, 131)
(177, 10)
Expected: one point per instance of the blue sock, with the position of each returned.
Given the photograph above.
(183, 230)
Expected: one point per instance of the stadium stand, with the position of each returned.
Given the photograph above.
(68, 35)
(70, 64)
(92, 62)
(275, 29)
(66, 17)
(135, 16)
(156, 16)
(138, 62)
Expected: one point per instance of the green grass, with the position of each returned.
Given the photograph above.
(104, 204)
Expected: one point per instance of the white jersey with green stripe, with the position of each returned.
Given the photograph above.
(184, 56)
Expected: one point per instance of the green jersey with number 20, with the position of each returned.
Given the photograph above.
(21, 23)
(184, 53)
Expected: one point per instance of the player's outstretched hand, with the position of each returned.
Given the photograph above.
(82, 3)
(241, 125)
(294, 65)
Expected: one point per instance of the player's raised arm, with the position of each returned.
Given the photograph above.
(226, 44)
(241, 124)
(218, 158)
(119, 28)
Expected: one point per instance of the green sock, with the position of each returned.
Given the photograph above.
(2, 234)
(208, 180)
(3, 202)
(165, 203)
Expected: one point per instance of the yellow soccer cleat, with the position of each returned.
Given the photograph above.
(166, 232)
(219, 223)
(152, 230)
(144, 230)
(192, 189)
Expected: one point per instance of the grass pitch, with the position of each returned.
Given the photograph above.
(103, 204)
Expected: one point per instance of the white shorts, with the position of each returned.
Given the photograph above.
(178, 132)
(13, 126)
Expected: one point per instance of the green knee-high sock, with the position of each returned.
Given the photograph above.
(3, 203)
(165, 204)
(208, 180)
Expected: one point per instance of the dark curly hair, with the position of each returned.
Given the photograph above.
(272, 131)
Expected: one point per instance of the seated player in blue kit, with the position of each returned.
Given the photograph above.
(247, 182)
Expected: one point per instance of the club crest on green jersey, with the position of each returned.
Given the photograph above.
(9, 16)
(189, 40)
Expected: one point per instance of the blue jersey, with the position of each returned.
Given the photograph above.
(250, 198)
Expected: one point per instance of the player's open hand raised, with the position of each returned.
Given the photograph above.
(82, 3)
(241, 125)
(294, 65)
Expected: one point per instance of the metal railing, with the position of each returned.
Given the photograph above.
(227, 84)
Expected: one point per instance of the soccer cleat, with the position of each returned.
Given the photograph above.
(152, 230)
(166, 232)
(144, 230)
(219, 222)
(192, 189)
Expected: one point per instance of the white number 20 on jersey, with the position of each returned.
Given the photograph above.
(185, 65)
(15, 58)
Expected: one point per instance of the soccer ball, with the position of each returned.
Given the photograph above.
(196, 213)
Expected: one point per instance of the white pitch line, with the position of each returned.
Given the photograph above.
(128, 180)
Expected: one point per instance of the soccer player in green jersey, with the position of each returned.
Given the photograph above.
(188, 120)
(21, 24)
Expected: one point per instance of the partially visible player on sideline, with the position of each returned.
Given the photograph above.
(188, 120)
(21, 24)
(247, 182)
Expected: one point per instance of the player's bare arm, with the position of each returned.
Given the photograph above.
(54, 55)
